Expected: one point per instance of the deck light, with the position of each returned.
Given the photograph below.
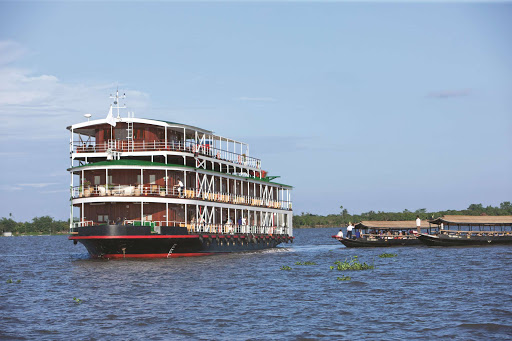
(88, 116)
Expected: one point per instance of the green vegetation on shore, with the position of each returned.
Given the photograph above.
(38, 225)
(47, 225)
(313, 220)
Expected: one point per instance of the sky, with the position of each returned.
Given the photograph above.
(380, 106)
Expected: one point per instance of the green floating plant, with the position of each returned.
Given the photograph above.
(9, 280)
(343, 278)
(388, 255)
(305, 263)
(285, 267)
(77, 300)
(352, 264)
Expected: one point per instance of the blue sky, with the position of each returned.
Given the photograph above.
(373, 106)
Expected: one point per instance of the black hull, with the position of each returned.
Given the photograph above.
(445, 240)
(121, 241)
(363, 242)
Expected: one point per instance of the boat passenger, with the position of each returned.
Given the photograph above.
(340, 234)
(180, 188)
(349, 230)
(418, 223)
(358, 234)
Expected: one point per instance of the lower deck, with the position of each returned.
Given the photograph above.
(125, 241)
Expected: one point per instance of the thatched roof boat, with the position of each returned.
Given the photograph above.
(385, 234)
(460, 230)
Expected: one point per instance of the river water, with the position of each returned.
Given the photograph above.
(423, 293)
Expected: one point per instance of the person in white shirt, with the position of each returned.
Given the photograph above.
(418, 223)
(180, 187)
(340, 234)
(349, 230)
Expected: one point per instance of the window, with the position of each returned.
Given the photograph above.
(110, 180)
(138, 178)
(96, 179)
(139, 134)
(152, 178)
(103, 218)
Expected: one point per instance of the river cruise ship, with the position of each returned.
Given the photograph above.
(152, 188)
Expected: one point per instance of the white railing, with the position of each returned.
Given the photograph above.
(175, 192)
(227, 228)
(143, 146)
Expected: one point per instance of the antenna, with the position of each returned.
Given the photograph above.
(116, 102)
(88, 116)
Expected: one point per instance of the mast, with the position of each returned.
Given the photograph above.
(116, 102)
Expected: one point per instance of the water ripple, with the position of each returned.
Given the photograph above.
(422, 294)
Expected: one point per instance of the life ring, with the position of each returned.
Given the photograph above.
(218, 155)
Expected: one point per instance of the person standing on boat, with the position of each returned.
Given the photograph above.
(418, 223)
(349, 230)
(180, 187)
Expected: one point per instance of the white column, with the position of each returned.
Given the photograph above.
(83, 213)
(167, 213)
(166, 181)
(71, 201)
(142, 212)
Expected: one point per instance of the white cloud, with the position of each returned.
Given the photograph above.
(40, 106)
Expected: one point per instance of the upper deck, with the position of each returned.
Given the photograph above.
(138, 136)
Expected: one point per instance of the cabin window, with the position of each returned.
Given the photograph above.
(148, 217)
(121, 133)
(107, 134)
(138, 178)
(152, 179)
(110, 180)
(139, 134)
(96, 179)
(103, 218)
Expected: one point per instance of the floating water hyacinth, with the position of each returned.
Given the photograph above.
(352, 264)
(388, 255)
(305, 263)
(285, 267)
(77, 300)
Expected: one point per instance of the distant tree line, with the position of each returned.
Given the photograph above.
(47, 225)
(343, 218)
(38, 225)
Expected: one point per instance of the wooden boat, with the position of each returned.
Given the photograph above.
(457, 230)
(384, 234)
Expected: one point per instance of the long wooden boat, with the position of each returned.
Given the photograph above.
(469, 231)
(384, 234)
(153, 188)
(379, 241)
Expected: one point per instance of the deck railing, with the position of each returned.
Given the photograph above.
(175, 192)
(227, 228)
(143, 146)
